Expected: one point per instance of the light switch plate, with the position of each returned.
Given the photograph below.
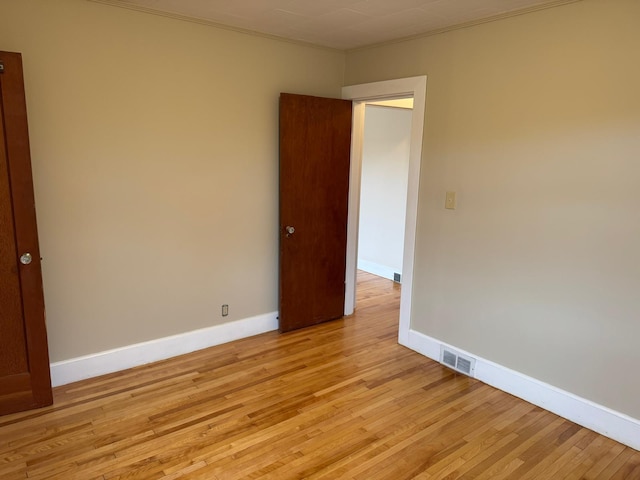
(450, 201)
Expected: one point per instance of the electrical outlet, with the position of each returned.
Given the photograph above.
(225, 310)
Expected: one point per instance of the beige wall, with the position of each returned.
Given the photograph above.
(155, 153)
(535, 122)
(154, 147)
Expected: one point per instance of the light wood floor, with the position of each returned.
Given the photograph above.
(340, 400)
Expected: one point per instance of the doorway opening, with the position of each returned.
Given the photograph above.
(361, 95)
(383, 187)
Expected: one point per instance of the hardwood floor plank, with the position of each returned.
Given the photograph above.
(337, 400)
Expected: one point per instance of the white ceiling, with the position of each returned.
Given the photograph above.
(341, 24)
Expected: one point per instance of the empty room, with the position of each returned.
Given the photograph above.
(180, 193)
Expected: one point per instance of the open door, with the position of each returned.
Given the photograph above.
(25, 380)
(315, 147)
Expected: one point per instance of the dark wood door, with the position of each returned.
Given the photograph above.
(315, 148)
(24, 360)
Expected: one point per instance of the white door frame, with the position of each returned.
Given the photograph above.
(360, 95)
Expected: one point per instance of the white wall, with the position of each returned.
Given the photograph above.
(533, 121)
(383, 196)
(155, 157)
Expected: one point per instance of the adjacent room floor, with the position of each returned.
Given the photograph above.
(339, 400)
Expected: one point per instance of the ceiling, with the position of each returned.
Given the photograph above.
(340, 24)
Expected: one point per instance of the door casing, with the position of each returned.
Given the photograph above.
(415, 87)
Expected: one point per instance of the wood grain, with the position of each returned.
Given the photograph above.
(24, 358)
(315, 151)
(340, 400)
(13, 353)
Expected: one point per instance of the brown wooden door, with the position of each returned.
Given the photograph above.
(24, 360)
(315, 148)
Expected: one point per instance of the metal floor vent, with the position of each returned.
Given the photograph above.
(396, 277)
(459, 362)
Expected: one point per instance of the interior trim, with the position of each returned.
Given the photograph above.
(118, 359)
(360, 95)
(208, 23)
(202, 21)
(472, 23)
(600, 419)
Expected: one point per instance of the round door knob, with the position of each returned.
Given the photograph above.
(26, 258)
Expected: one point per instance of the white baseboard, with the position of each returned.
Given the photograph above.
(600, 419)
(110, 361)
(377, 269)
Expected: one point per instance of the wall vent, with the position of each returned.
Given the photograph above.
(457, 361)
(396, 277)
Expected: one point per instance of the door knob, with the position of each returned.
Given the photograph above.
(290, 230)
(25, 258)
